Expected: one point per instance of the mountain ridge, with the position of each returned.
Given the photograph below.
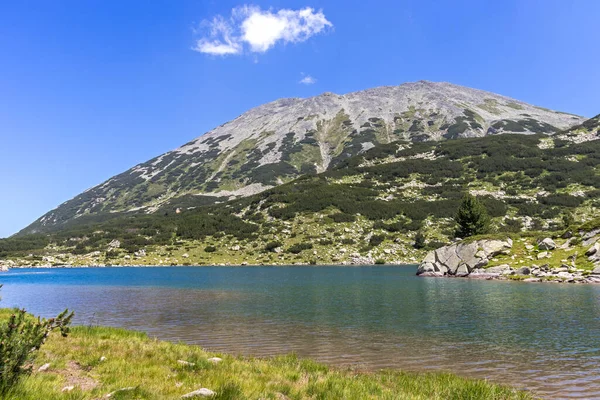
(281, 140)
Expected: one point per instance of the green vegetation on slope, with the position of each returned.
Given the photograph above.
(369, 206)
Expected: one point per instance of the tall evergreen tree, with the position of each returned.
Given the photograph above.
(419, 240)
(472, 217)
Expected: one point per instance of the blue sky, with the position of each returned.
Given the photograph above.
(90, 88)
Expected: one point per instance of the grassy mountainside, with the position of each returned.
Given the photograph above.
(366, 209)
(277, 142)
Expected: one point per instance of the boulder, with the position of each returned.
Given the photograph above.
(593, 250)
(114, 244)
(468, 256)
(567, 235)
(532, 280)
(426, 267)
(596, 270)
(523, 271)
(546, 244)
(497, 269)
(565, 275)
(541, 255)
(215, 360)
(204, 392)
(140, 253)
(44, 367)
(462, 270)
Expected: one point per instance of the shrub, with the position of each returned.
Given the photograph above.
(20, 339)
(271, 246)
(380, 261)
(376, 240)
(299, 247)
(210, 249)
(343, 217)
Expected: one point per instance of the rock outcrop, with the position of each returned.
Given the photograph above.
(462, 258)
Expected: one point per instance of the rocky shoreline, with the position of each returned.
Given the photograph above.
(494, 259)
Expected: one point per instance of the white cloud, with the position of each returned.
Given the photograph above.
(308, 80)
(259, 30)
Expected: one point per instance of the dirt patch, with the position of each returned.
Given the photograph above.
(75, 375)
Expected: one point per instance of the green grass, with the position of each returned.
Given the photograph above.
(150, 367)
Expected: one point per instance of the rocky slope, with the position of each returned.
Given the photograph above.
(589, 130)
(279, 141)
(573, 257)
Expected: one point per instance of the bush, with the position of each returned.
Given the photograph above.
(376, 240)
(299, 247)
(380, 261)
(210, 249)
(271, 246)
(20, 339)
(343, 217)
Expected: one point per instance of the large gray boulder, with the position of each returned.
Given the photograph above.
(462, 258)
(595, 249)
(523, 271)
(547, 244)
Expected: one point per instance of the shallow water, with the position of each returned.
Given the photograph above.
(543, 337)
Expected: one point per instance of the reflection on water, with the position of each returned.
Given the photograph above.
(544, 337)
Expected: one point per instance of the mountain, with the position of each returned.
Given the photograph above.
(279, 141)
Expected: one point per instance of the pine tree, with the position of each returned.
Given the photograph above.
(21, 336)
(419, 240)
(472, 218)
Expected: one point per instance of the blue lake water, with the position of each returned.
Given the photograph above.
(543, 337)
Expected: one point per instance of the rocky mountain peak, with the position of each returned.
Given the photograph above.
(278, 141)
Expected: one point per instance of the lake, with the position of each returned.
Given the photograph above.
(543, 337)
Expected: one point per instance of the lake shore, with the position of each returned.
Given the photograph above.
(95, 362)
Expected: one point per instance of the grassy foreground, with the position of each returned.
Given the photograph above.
(150, 369)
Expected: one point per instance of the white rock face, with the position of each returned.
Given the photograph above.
(387, 103)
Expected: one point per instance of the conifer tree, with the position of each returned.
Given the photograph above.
(21, 336)
(472, 218)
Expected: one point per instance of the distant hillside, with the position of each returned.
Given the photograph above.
(278, 142)
(368, 207)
